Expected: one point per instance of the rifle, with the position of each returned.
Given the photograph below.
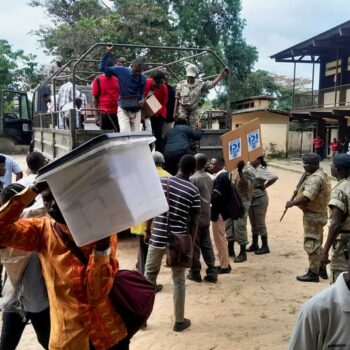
(302, 179)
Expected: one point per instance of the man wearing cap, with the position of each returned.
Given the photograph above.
(312, 198)
(56, 66)
(189, 92)
(339, 229)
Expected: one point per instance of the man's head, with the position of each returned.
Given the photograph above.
(2, 165)
(191, 73)
(59, 60)
(9, 191)
(311, 162)
(258, 161)
(181, 121)
(35, 161)
(158, 158)
(78, 102)
(158, 78)
(187, 165)
(51, 206)
(201, 161)
(341, 166)
(120, 61)
(216, 164)
(46, 98)
(334, 139)
(136, 66)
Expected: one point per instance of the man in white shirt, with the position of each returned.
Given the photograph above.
(9, 166)
(324, 320)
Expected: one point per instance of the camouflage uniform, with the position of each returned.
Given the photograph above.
(260, 202)
(316, 187)
(189, 96)
(236, 230)
(340, 198)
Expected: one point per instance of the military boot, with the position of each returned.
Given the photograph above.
(231, 251)
(242, 256)
(264, 248)
(309, 277)
(254, 246)
(323, 272)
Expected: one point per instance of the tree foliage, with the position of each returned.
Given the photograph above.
(214, 24)
(17, 69)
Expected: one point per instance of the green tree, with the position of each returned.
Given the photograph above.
(17, 69)
(215, 24)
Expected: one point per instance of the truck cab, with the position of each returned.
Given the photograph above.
(15, 117)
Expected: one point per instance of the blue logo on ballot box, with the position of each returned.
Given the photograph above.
(253, 139)
(235, 149)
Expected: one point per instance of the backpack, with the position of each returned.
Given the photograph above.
(238, 206)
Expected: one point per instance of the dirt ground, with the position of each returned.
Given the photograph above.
(253, 308)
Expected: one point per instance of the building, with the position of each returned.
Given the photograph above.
(274, 123)
(329, 106)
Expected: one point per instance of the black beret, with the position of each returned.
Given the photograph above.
(311, 158)
(342, 160)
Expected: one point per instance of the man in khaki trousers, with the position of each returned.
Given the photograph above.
(222, 209)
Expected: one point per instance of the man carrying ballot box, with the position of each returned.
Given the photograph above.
(82, 316)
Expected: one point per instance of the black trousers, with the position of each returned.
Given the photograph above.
(172, 160)
(13, 327)
(106, 123)
(203, 244)
(122, 345)
(157, 130)
(142, 250)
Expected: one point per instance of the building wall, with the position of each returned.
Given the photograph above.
(300, 142)
(274, 129)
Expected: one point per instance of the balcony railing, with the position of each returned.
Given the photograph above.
(330, 97)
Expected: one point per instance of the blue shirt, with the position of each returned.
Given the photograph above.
(129, 84)
(179, 138)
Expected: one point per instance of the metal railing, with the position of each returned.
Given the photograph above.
(330, 97)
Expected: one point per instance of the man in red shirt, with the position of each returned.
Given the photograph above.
(105, 92)
(156, 86)
(318, 146)
(334, 146)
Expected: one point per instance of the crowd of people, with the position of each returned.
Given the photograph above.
(43, 271)
(119, 96)
(68, 302)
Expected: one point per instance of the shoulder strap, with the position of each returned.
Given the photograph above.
(99, 86)
(70, 244)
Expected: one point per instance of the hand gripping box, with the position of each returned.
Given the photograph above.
(106, 185)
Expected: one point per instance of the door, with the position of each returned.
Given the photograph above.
(16, 122)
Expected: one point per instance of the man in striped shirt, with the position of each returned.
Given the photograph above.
(184, 208)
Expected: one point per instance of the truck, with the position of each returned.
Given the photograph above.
(26, 123)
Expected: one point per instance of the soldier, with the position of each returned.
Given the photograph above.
(312, 199)
(339, 230)
(189, 92)
(264, 178)
(236, 230)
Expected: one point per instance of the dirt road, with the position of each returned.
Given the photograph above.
(253, 308)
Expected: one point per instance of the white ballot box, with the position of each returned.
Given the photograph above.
(106, 185)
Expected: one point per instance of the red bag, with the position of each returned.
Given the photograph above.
(131, 295)
(133, 298)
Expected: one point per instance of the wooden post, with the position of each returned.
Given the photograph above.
(295, 67)
(312, 86)
(336, 79)
(72, 126)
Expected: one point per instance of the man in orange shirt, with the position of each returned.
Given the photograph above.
(82, 315)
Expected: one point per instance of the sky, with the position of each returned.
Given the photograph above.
(271, 26)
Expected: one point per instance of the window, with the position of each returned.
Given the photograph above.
(331, 68)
